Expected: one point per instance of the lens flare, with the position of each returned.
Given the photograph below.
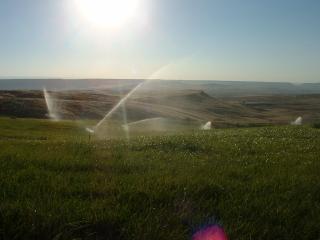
(213, 232)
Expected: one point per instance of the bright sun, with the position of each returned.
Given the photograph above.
(108, 13)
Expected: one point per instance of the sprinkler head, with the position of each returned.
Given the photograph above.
(90, 130)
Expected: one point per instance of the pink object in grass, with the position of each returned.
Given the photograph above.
(213, 232)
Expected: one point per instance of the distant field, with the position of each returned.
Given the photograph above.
(198, 106)
(259, 183)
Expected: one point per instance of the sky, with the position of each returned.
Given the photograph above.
(250, 40)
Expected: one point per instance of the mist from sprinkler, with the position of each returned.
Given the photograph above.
(297, 122)
(51, 106)
(206, 126)
(124, 100)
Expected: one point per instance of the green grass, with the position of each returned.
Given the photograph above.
(259, 183)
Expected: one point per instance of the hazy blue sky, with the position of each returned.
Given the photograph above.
(266, 40)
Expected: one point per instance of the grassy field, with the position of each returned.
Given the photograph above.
(259, 183)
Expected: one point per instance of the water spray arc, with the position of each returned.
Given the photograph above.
(123, 101)
(51, 106)
(157, 124)
(206, 126)
(297, 122)
(119, 104)
(124, 116)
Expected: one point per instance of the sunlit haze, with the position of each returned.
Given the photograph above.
(176, 39)
(159, 119)
(108, 13)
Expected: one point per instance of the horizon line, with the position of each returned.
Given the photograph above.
(152, 79)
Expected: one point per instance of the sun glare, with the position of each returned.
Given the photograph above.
(108, 13)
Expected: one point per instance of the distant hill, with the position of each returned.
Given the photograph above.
(213, 88)
(187, 105)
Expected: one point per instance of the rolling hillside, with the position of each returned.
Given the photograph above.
(188, 105)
